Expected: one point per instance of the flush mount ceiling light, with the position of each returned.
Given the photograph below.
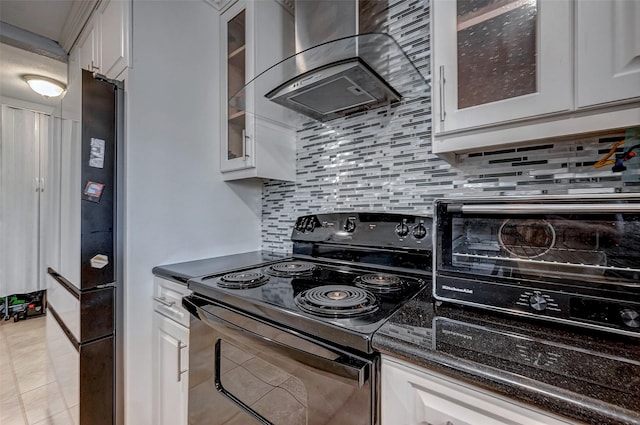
(44, 86)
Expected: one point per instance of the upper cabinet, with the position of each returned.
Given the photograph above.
(89, 47)
(608, 51)
(514, 71)
(256, 34)
(104, 45)
(498, 61)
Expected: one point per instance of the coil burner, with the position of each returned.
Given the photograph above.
(379, 282)
(242, 280)
(291, 269)
(337, 301)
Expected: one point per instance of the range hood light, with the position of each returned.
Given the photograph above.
(44, 86)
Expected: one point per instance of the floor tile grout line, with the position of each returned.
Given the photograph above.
(66, 409)
(57, 385)
(15, 379)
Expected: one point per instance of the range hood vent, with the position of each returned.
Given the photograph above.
(335, 90)
(334, 79)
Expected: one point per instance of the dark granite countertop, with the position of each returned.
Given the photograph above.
(586, 375)
(181, 272)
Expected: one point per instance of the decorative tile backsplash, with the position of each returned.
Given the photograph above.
(381, 160)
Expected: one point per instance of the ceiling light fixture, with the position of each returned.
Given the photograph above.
(44, 86)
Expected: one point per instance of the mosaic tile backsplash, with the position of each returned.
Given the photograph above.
(381, 160)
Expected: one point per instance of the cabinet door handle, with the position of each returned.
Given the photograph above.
(37, 184)
(163, 301)
(442, 81)
(244, 143)
(42, 184)
(180, 347)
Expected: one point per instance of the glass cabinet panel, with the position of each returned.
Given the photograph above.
(499, 61)
(496, 50)
(236, 69)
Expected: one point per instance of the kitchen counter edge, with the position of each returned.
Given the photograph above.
(182, 272)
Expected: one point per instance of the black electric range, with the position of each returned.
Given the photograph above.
(348, 274)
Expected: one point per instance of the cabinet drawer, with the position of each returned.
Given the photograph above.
(414, 396)
(167, 300)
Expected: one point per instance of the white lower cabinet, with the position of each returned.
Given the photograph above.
(171, 354)
(415, 396)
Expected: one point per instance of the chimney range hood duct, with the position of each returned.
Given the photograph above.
(337, 70)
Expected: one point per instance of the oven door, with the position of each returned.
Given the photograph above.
(592, 245)
(246, 371)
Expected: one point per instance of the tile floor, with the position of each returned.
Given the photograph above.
(29, 392)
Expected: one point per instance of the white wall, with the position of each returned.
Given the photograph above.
(177, 207)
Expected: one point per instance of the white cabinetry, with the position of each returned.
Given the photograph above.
(256, 34)
(27, 146)
(104, 45)
(608, 51)
(89, 47)
(517, 71)
(415, 396)
(501, 62)
(171, 354)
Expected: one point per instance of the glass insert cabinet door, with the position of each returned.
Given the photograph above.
(236, 50)
(500, 60)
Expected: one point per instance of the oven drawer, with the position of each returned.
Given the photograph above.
(167, 300)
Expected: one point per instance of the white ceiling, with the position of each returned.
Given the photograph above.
(16, 63)
(42, 17)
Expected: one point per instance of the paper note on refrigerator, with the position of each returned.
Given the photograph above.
(96, 157)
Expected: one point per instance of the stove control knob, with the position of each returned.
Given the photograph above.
(630, 317)
(350, 225)
(311, 225)
(538, 302)
(402, 230)
(419, 231)
(300, 224)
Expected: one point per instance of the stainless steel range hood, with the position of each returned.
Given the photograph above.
(338, 70)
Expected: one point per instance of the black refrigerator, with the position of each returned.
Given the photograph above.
(84, 292)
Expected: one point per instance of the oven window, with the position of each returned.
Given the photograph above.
(261, 388)
(598, 248)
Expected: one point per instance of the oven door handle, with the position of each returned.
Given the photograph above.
(354, 369)
(543, 208)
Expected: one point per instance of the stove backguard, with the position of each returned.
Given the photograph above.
(392, 241)
(562, 259)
